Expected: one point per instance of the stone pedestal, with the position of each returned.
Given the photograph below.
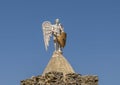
(60, 72)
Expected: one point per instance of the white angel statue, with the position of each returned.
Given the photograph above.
(57, 31)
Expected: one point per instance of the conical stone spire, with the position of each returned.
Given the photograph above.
(58, 63)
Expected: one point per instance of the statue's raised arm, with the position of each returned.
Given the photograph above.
(57, 31)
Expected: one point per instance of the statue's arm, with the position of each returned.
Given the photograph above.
(61, 28)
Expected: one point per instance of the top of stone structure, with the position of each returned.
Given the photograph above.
(57, 78)
(58, 63)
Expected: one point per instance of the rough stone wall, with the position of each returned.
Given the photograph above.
(57, 78)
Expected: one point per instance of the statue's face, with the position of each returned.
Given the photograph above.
(57, 21)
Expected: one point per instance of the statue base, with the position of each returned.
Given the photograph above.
(60, 72)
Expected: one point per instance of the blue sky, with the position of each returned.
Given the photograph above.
(93, 43)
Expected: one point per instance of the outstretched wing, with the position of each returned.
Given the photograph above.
(47, 32)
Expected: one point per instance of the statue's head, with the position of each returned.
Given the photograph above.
(57, 21)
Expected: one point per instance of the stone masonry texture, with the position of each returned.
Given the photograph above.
(57, 78)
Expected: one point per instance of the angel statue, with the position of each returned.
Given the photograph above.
(57, 31)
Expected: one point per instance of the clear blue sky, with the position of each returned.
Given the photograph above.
(93, 43)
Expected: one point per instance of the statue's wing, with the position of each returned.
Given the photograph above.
(47, 32)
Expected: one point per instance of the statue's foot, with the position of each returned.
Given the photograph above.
(58, 51)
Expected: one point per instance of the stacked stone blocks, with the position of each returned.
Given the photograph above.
(58, 78)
